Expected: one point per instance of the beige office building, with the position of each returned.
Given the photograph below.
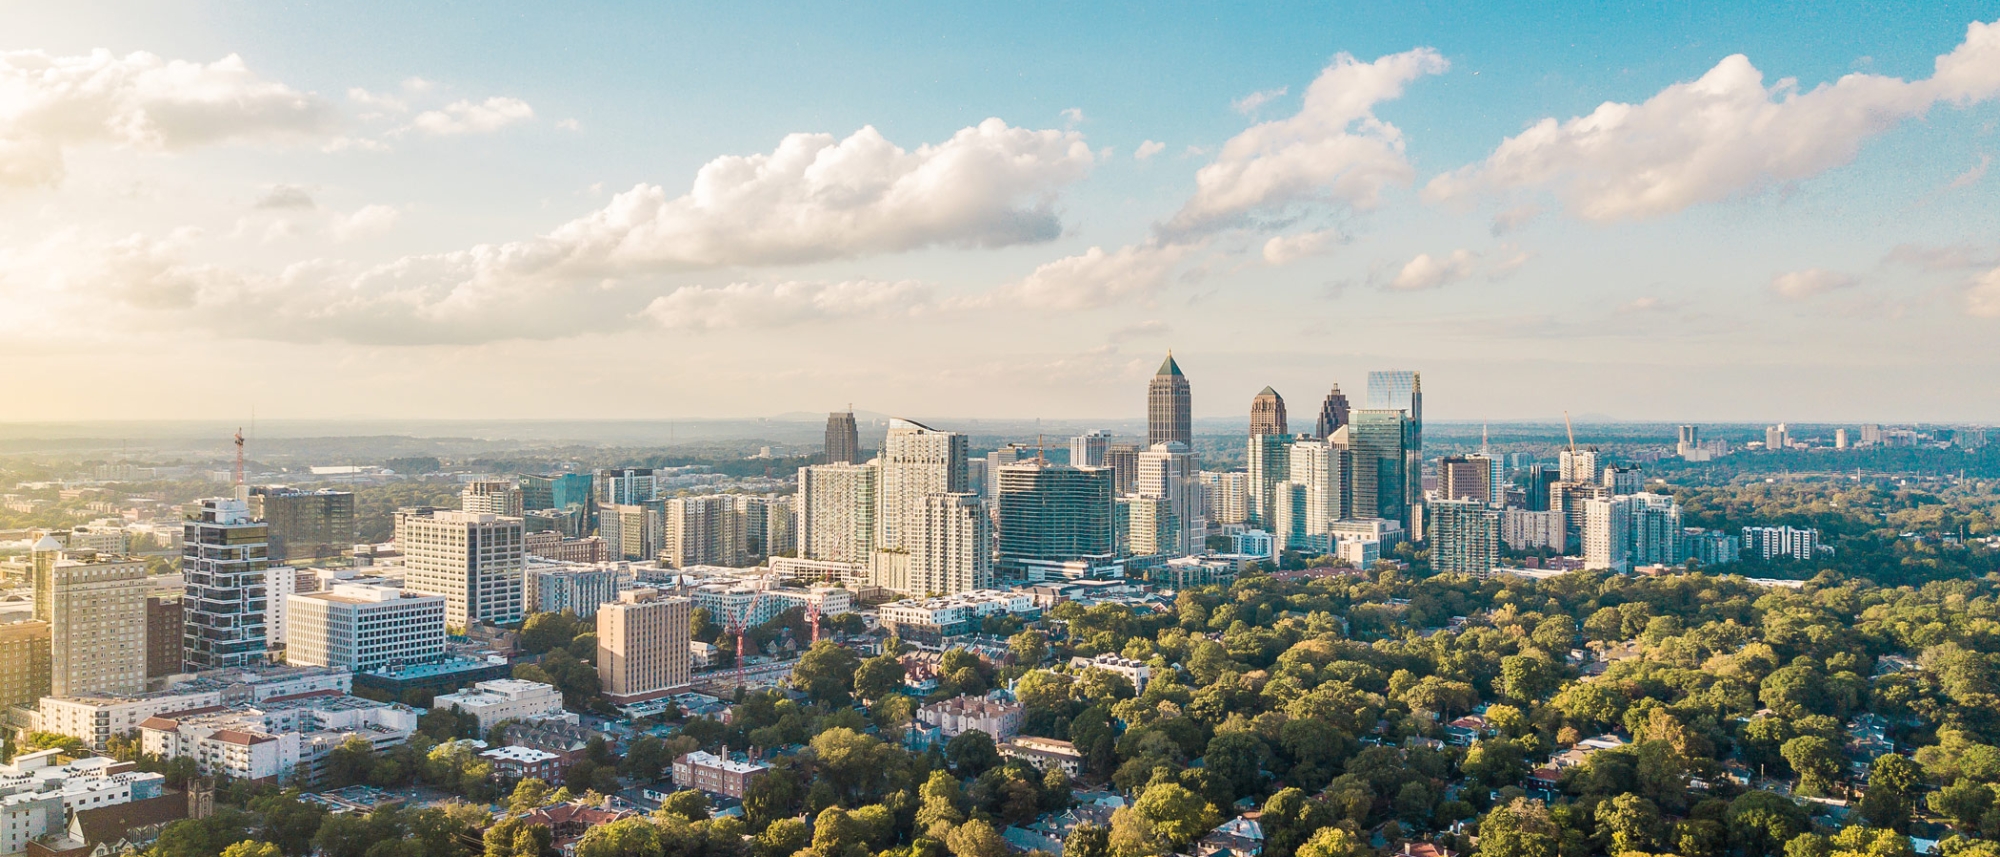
(476, 561)
(642, 645)
(96, 611)
(24, 663)
(836, 512)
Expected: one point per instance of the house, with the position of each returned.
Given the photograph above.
(567, 822)
(1465, 730)
(1426, 849)
(1241, 836)
(121, 829)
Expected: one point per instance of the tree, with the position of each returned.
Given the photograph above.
(939, 810)
(546, 632)
(687, 804)
(1760, 823)
(1289, 819)
(836, 835)
(1628, 823)
(1028, 648)
(1177, 816)
(971, 752)
(529, 794)
(1964, 802)
(1522, 828)
(203, 837)
(975, 838)
(783, 838)
(1238, 758)
(1088, 840)
(513, 837)
(631, 837)
(645, 758)
(878, 677)
(1893, 782)
(1331, 842)
(1816, 760)
(288, 822)
(250, 848)
(826, 672)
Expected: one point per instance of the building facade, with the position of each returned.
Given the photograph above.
(476, 561)
(1465, 537)
(1169, 407)
(360, 627)
(950, 548)
(836, 512)
(304, 526)
(1267, 413)
(843, 439)
(1051, 515)
(642, 646)
(224, 559)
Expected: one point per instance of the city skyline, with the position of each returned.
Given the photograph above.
(717, 216)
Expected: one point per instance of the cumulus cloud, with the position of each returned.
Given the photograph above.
(1719, 136)
(1514, 218)
(1148, 149)
(1333, 150)
(1983, 297)
(468, 117)
(1284, 249)
(1810, 283)
(1248, 104)
(285, 196)
(1430, 272)
(138, 101)
(1094, 278)
(741, 305)
(369, 220)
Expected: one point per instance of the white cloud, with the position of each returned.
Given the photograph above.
(748, 305)
(369, 220)
(467, 117)
(138, 101)
(1094, 278)
(1983, 298)
(1514, 218)
(1429, 272)
(1333, 150)
(1248, 104)
(1284, 249)
(1148, 149)
(285, 196)
(1073, 115)
(1809, 283)
(570, 125)
(1718, 136)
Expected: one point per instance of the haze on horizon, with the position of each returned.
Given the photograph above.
(509, 212)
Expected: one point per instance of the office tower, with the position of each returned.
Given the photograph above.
(1579, 465)
(1269, 464)
(1088, 449)
(360, 627)
(949, 544)
(1320, 470)
(1146, 526)
(916, 462)
(633, 531)
(1777, 437)
(95, 607)
(1402, 390)
(165, 622)
(580, 588)
(1227, 500)
(1464, 537)
(1607, 534)
(994, 461)
(1055, 519)
(626, 486)
(475, 561)
(1536, 481)
(1332, 413)
(1399, 390)
(1688, 441)
(976, 481)
(1288, 520)
(642, 645)
(1656, 530)
(843, 440)
(304, 527)
(836, 512)
(1123, 459)
(702, 531)
(1871, 435)
(1267, 413)
(556, 491)
(1167, 472)
(1840, 439)
(1624, 480)
(1378, 439)
(1465, 478)
(1169, 409)
(224, 558)
(494, 497)
(24, 663)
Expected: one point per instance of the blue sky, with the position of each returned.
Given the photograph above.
(481, 210)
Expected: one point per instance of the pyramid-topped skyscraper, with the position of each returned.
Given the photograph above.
(1169, 415)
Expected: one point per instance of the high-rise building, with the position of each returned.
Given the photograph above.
(1871, 435)
(843, 440)
(633, 531)
(1777, 437)
(1123, 459)
(949, 543)
(1401, 390)
(491, 497)
(1315, 494)
(1775, 542)
(1228, 496)
(556, 491)
(1055, 521)
(1622, 532)
(703, 530)
(1463, 477)
(1332, 413)
(995, 460)
(1688, 441)
(1267, 413)
(642, 645)
(1536, 480)
(1464, 536)
(1607, 534)
(770, 525)
(477, 562)
(361, 627)
(916, 462)
(24, 663)
(1268, 456)
(166, 620)
(224, 559)
(1580, 465)
(304, 527)
(1840, 439)
(1088, 449)
(1381, 481)
(1168, 473)
(626, 486)
(1169, 407)
(836, 512)
(1624, 480)
(1656, 530)
(580, 588)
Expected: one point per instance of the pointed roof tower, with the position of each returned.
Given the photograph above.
(1170, 368)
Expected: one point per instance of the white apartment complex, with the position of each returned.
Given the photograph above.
(476, 561)
(950, 545)
(505, 699)
(360, 627)
(580, 588)
(836, 512)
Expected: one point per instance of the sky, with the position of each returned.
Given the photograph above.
(650, 211)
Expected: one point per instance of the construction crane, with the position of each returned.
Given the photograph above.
(812, 615)
(1572, 434)
(739, 625)
(239, 455)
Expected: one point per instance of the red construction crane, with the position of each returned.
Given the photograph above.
(812, 615)
(739, 624)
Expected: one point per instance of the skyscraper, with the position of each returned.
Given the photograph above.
(1332, 413)
(1579, 465)
(1267, 413)
(950, 545)
(1055, 521)
(1167, 473)
(475, 561)
(1269, 464)
(633, 531)
(1464, 536)
(224, 559)
(642, 645)
(626, 485)
(304, 526)
(1227, 498)
(1403, 390)
(917, 461)
(95, 607)
(701, 530)
(1123, 459)
(843, 440)
(836, 512)
(1169, 408)
(491, 497)
(1088, 449)
(556, 491)
(1379, 439)
(1467, 477)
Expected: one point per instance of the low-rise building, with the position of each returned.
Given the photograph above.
(276, 740)
(1042, 753)
(997, 718)
(513, 764)
(927, 621)
(94, 718)
(716, 774)
(1136, 672)
(504, 699)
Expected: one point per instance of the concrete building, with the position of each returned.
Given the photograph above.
(475, 561)
(1088, 449)
(1169, 407)
(1607, 534)
(512, 764)
(1776, 542)
(949, 546)
(24, 663)
(1360, 553)
(95, 610)
(836, 512)
(491, 497)
(1579, 465)
(1167, 473)
(953, 717)
(1123, 459)
(1267, 413)
(303, 526)
(1471, 477)
(626, 486)
(1227, 496)
(642, 646)
(843, 439)
(1777, 437)
(1464, 536)
(1315, 494)
(1052, 517)
(917, 462)
(927, 621)
(503, 699)
(1333, 413)
(359, 628)
(1523, 530)
(633, 531)
(553, 587)
(715, 774)
(1624, 480)
(1043, 753)
(560, 548)
(1710, 547)
(277, 740)
(94, 717)
(703, 530)
(224, 559)
(1134, 671)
